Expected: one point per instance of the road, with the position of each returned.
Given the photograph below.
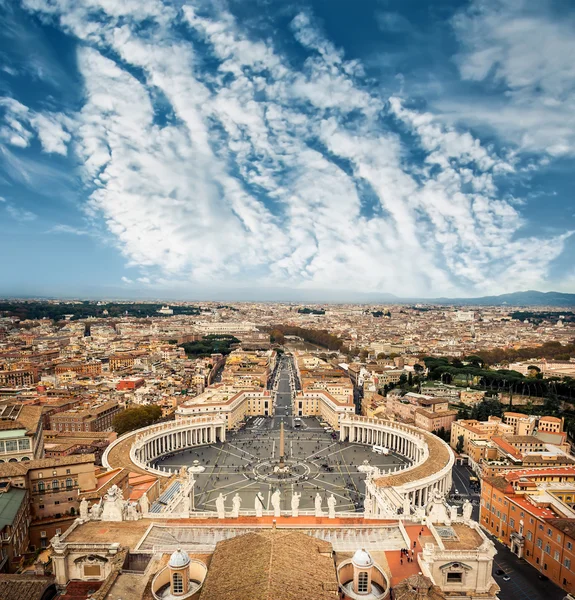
(524, 582)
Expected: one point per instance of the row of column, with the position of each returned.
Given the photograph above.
(387, 439)
(178, 440)
(423, 495)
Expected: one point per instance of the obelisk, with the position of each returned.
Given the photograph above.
(282, 453)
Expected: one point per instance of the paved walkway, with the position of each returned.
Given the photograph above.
(394, 558)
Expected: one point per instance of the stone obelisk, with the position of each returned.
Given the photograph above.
(282, 442)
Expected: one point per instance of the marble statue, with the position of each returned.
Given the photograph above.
(96, 511)
(276, 502)
(220, 506)
(84, 509)
(331, 502)
(259, 504)
(131, 512)
(318, 501)
(144, 503)
(187, 504)
(367, 506)
(295, 504)
(453, 512)
(467, 510)
(406, 506)
(236, 503)
(113, 509)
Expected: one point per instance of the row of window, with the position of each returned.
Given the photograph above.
(42, 486)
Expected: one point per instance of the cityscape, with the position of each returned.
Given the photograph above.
(149, 448)
(287, 300)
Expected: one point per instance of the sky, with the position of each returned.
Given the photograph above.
(263, 149)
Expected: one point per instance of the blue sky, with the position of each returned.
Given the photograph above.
(322, 148)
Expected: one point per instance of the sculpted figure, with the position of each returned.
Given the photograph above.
(276, 501)
(144, 503)
(331, 502)
(318, 502)
(467, 510)
(259, 504)
(84, 509)
(295, 504)
(220, 506)
(236, 503)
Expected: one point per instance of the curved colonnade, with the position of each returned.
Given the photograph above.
(414, 485)
(143, 446)
(430, 471)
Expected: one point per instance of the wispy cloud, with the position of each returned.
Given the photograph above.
(273, 174)
(19, 214)
(62, 228)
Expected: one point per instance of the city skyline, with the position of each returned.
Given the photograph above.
(251, 150)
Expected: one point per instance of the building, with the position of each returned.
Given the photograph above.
(18, 377)
(89, 369)
(52, 487)
(14, 525)
(94, 418)
(20, 433)
(532, 512)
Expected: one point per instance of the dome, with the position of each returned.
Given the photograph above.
(362, 558)
(178, 559)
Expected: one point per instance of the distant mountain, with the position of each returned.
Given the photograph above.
(528, 298)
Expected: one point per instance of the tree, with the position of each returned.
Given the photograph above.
(410, 379)
(135, 418)
(402, 379)
(459, 445)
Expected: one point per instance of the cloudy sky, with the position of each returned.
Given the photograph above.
(274, 149)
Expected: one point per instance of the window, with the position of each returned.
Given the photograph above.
(539, 543)
(58, 532)
(549, 532)
(559, 537)
(41, 506)
(540, 527)
(569, 545)
(68, 471)
(512, 522)
(40, 486)
(521, 514)
(547, 548)
(567, 563)
(55, 484)
(68, 483)
(454, 577)
(529, 536)
(556, 555)
(178, 583)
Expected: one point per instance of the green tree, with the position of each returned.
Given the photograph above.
(459, 445)
(135, 418)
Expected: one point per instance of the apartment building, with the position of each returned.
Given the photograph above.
(14, 526)
(90, 368)
(531, 511)
(53, 486)
(94, 418)
(20, 433)
(18, 377)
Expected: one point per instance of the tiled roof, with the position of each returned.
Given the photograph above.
(23, 587)
(21, 468)
(271, 565)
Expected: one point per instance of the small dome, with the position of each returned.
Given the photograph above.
(362, 558)
(179, 559)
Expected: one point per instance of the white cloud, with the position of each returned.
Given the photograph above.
(62, 228)
(522, 50)
(255, 177)
(20, 214)
(127, 280)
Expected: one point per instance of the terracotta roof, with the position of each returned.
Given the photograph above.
(271, 565)
(23, 587)
(28, 419)
(567, 526)
(21, 468)
(439, 455)
(417, 587)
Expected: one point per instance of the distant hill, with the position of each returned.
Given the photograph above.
(528, 298)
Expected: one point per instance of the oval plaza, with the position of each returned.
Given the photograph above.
(247, 474)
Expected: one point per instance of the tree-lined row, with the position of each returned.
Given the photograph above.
(320, 337)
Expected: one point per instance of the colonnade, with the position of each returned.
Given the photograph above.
(431, 473)
(155, 444)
